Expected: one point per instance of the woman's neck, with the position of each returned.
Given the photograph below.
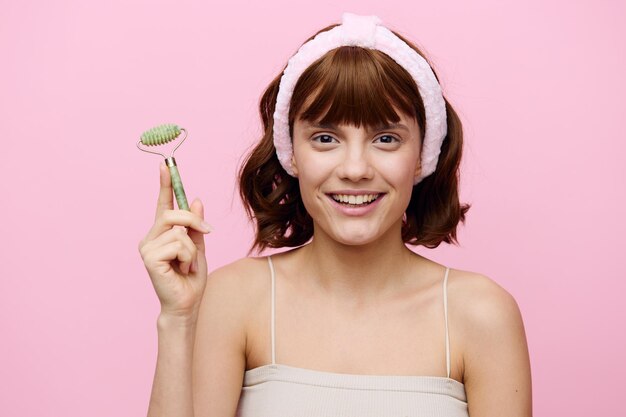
(359, 272)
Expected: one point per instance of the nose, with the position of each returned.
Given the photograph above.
(355, 165)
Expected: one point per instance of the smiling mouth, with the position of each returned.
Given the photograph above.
(355, 200)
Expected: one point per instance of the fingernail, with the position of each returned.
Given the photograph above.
(206, 227)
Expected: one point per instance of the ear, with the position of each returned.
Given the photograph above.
(294, 166)
(418, 168)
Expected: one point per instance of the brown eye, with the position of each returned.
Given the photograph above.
(324, 139)
(387, 139)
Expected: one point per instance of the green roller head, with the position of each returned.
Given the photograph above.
(160, 135)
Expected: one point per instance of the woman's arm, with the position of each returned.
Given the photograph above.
(497, 373)
(171, 389)
(201, 362)
(219, 358)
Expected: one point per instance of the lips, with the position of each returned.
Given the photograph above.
(356, 204)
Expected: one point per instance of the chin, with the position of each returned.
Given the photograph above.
(355, 239)
(354, 242)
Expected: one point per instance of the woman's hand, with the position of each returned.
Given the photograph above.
(174, 256)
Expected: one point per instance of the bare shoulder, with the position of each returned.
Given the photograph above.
(240, 282)
(241, 269)
(482, 301)
(231, 297)
(490, 330)
(483, 309)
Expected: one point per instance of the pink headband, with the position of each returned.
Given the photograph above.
(366, 32)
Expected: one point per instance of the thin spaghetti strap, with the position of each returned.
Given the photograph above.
(445, 311)
(272, 314)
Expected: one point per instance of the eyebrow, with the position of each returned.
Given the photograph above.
(384, 126)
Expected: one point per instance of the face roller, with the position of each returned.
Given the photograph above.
(161, 135)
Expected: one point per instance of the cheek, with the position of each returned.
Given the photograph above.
(309, 175)
(312, 166)
(399, 170)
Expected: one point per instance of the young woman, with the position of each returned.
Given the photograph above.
(360, 157)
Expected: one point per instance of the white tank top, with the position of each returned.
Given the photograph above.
(276, 390)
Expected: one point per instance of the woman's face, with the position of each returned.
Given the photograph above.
(356, 183)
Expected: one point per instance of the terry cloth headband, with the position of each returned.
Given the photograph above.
(366, 32)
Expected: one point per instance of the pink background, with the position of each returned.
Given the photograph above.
(539, 86)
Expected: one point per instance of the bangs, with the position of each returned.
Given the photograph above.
(355, 86)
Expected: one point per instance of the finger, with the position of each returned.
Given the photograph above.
(177, 234)
(174, 251)
(172, 235)
(165, 200)
(197, 208)
(170, 218)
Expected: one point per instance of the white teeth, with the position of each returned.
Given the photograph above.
(355, 199)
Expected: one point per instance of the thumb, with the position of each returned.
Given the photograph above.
(165, 200)
(197, 237)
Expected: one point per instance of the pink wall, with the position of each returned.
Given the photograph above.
(539, 86)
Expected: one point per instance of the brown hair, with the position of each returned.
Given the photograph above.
(357, 86)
